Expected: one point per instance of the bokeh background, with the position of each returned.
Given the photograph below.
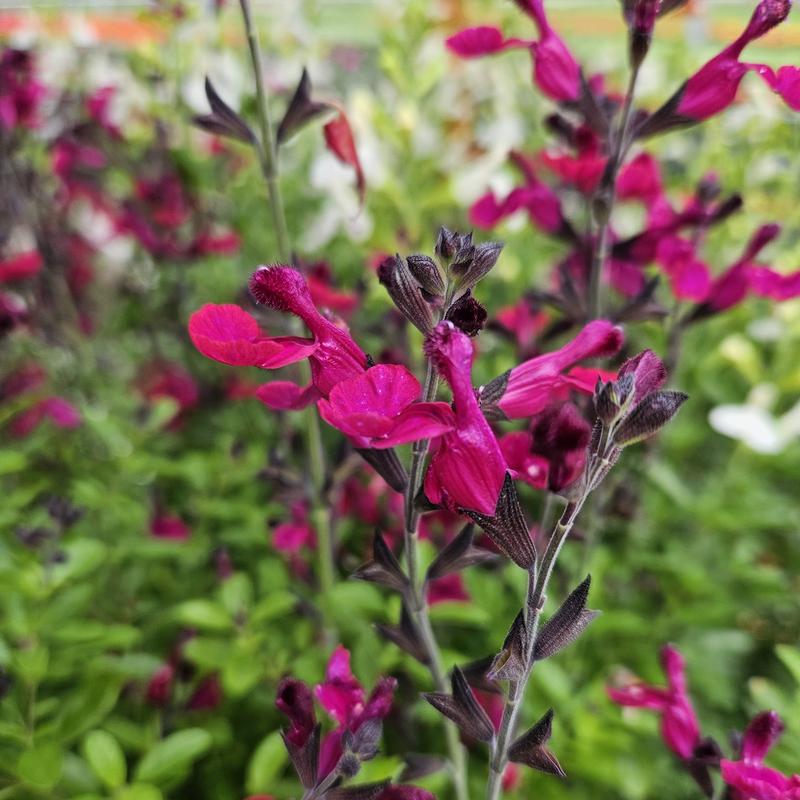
(174, 471)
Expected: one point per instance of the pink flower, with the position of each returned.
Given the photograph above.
(749, 776)
(531, 386)
(555, 70)
(690, 277)
(169, 526)
(170, 380)
(295, 700)
(98, 106)
(230, 335)
(640, 179)
(207, 695)
(291, 537)
(713, 87)
(467, 469)
(679, 727)
(20, 93)
(159, 687)
(20, 266)
(786, 83)
(552, 454)
(378, 409)
(343, 697)
(537, 198)
(520, 320)
(336, 356)
(449, 589)
(56, 409)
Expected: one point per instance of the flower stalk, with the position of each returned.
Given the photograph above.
(266, 150)
(418, 606)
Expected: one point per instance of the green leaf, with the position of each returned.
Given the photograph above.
(790, 656)
(106, 758)
(139, 791)
(204, 614)
(173, 756)
(41, 765)
(266, 764)
(31, 664)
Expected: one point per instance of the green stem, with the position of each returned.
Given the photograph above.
(599, 255)
(416, 600)
(266, 150)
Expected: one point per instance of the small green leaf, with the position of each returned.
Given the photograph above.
(106, 758)
(41, 765)
(172, 756)
(139, 791)
(204, 614)
(266, 764)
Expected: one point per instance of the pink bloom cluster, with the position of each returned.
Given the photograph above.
(379, 407)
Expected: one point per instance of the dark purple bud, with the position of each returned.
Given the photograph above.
(348, 766)
(760, 239)
(406, 637)
(406, 293)
(473, 264)
(63, 511)
(530, 749)
(507, 528)
(605, 403)
(223, 120)
(652, 414)
(567, 624)
(34, 537)
(510, 663)
(427, 274)
(301, 110)
(648, 374)
(458, 554)
(387, 465)
(490, 395)
(294, 699)
(462, 708)
(384, 568)
(305, 757)
(366, 739)
(727, 208)
(467, 314)
(641, 22)
(447, 243)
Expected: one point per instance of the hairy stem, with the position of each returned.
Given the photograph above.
(604, 205)
(268, 159)
(418, 605)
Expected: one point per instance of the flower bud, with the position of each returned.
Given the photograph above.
(472, 263)
(642, 21)
(655, 411)
(467, 314)
(406, 293)
(427, 274)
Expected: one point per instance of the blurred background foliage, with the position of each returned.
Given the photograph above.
(708, 560)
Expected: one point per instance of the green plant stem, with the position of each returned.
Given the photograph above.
(600, 252)
(538, 580)
(418, 607)
(265, 147)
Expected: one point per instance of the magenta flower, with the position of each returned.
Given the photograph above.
(292, 536)
(467, 469)
(206, 696)
(230, 335)
(749, 776)
(336, 357)
(679, 727)
(552, 453)
(378, 409)
(20, 266)
(649, 374)
(786, 83)
(713, 87)
(449, 589)
(690, 278)
(169, 526)
(531, 386)
(343, 697)
(159, 687)
(535, 197)
(55, 409)
(168, 379)
(521, 321)
(555, 70)
(20, 92)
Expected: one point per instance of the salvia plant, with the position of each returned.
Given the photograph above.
(413, 442)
